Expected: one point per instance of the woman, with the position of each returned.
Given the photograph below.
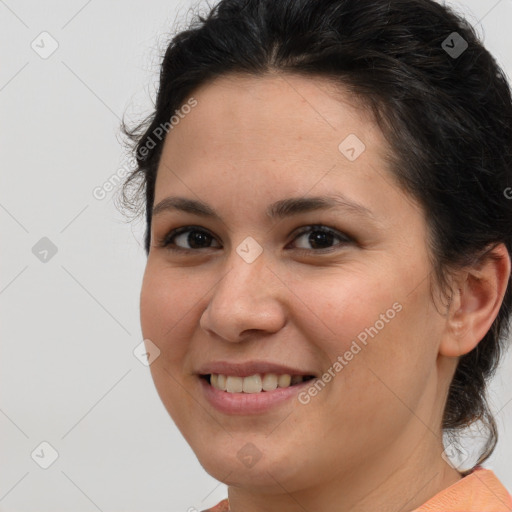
(327, 287)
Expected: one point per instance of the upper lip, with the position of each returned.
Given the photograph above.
(249, 368)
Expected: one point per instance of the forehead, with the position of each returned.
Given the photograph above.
(275, 116)
(250, 99)
(275, 134)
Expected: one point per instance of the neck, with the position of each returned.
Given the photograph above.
(389, 482)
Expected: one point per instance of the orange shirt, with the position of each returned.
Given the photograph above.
(480, 491)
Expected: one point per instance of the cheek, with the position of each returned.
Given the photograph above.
(154, 301)
(388, 366)
(165, 302)
(384, 334)
(345, 305)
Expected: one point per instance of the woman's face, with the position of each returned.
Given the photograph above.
(348, 299)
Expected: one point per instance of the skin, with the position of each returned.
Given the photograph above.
(371, 439)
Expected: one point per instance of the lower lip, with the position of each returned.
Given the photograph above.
(249, 403)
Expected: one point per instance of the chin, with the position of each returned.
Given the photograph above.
(238, 464)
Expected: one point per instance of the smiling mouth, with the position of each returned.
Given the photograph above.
(256, 383)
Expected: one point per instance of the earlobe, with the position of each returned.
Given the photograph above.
(476, 303)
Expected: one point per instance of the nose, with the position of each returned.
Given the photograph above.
(247, 301)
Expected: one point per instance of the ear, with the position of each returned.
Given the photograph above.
(476, 302)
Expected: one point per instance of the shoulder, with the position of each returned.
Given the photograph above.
(479, 491)
(222, 506)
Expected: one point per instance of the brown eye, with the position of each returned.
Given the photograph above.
(321, 238)
(195, 238)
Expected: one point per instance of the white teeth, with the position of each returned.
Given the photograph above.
(269, 382)
(234, 384)
(254, 383)
(283, 381)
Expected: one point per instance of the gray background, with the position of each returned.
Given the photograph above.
(70, 324)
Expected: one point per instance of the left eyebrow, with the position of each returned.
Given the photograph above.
(280, 209)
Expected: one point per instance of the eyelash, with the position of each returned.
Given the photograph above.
(166, 241)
